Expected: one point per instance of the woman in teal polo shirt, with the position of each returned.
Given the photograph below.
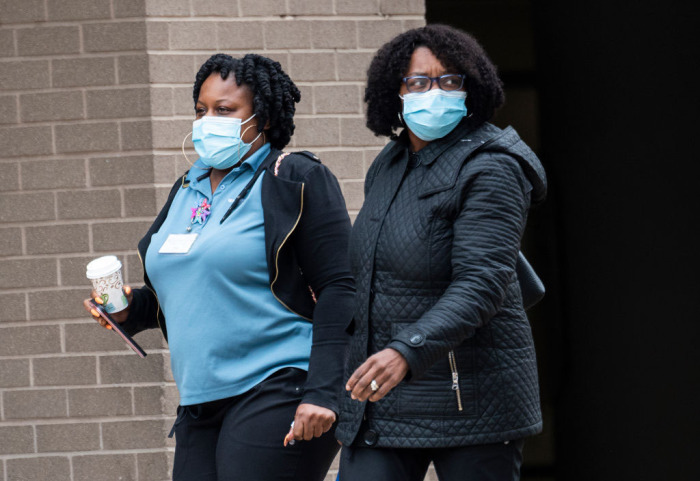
(247, 276)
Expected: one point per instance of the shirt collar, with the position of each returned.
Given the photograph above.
(200, 171)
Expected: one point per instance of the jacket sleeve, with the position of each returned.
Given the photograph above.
(321, 246)
(143, 311)
(494, 201)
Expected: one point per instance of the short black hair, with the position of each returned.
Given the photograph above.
(456, 50)
(274, 93)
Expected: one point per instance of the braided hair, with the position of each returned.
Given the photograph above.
(274, 93)
(458, 52)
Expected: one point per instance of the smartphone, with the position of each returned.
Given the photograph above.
(118, 329)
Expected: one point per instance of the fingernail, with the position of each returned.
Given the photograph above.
(99, 300)
(94, 313)
(108, 326)
(127, 289)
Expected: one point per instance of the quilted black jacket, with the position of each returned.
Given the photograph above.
(433, 252)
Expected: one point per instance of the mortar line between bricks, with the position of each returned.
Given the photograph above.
(120, 140)
(89, 453)
(71, 56)
(26, 305)
(32, 382)
(159, 384)
(115, 66)
(329, 116)
(67, 255)
(81, 50)
(76, 23)
(136, 467)
(132, 395)
(31, 257)
(72, 190)
(301, 83)
(87, 88)
(331, 83)
(338, 148)
(98, 155)
(297, 116)
(377, 16)
(45, 355)
(59, 257)
(130, 418)
(201, 52)
(92, 121)
(266, 51)
(89, 222)
(81, 189)
(55, 203)
(62, 338)
(70, 468)
(98, 378)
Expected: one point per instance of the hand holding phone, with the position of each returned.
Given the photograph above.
(116, 327)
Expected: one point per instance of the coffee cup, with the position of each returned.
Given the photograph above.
(106, 275)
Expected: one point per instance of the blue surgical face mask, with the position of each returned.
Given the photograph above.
(433, 114)
(218, 141)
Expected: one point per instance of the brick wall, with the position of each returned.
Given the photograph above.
(95, 99)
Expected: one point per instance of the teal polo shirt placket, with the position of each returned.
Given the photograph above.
(226, 330)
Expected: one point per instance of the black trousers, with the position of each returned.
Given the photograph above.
(487, 462)
(241, 438)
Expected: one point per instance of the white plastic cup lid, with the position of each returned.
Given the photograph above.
(102, 267)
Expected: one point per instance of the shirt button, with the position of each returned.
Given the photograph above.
(416, 339)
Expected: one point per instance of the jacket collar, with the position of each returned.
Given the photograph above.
(453, 150)
(428, 154)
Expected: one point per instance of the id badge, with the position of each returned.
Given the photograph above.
(178, 244)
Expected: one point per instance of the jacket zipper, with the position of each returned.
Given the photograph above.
(277, 255)
(143, 264)
(455, 379)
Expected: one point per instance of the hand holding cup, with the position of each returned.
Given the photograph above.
(120, 316)
(108, 289)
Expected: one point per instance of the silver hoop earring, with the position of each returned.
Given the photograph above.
(183, 149)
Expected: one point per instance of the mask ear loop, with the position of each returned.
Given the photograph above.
(465, 104)
(183, 149)
(400, 115)
(254, 140)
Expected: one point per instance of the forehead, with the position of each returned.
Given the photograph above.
(216, 88)
(424, 61)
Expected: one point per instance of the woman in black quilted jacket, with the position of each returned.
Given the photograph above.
(441, 346)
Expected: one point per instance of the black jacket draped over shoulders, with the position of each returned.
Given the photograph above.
(307, 228)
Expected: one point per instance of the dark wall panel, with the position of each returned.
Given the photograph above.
(619, 123)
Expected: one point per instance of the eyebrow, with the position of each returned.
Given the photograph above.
(424, 74)
(218, 101)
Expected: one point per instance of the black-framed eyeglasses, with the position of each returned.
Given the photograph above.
(423, 83)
